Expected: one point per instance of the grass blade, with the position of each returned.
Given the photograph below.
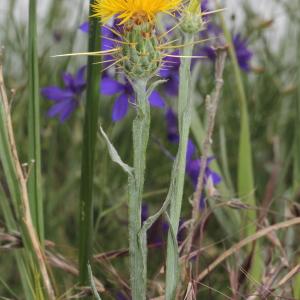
(11, 225)
(88, 153)
(246, 189)
(296, 286)
(92, 283)
(34, 181)
(17, 185)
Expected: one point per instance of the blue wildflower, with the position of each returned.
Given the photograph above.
(145, 212)
(172, 127)
(109, 39)
(169, 71)
(243, 53)
(107, 33)
(181, 231)
(66, 99)
(124, 90)
(120, 296)
(193, 165)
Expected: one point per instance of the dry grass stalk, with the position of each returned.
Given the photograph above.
(235, 248)
(25, 209)
(212, 107)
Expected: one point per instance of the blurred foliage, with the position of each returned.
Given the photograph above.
(271, 90)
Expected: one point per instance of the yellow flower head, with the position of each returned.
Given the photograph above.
(126, 9)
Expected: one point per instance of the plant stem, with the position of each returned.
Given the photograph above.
(212, 107)
(212, 103)
(88, 153)
(177, 180)
(12, 226)
(34, 181)
(138, 253)
(296, 166)
(246, 187)
(18, 188)
(245, 169)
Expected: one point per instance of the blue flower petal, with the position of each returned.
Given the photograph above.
(55, 93)
(84, 27)
(191, 149)
(156, 100)
(63, 109)
(172, 129)
(202, 202)
(120, 108)
(79, 80)
(171, 86)
(68, 80)
(216, 178)
(193, 169)
(110, 86)
(145, 212)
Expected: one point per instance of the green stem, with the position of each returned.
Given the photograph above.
(138, 252)
(296, 183)
(177, 180)
(245, 169)
(246, 188)
(35, 180)
(88, 153)
(228, 219)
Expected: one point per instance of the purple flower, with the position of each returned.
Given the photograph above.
(110, 86)
(181, 234)
(108, 34)
(169, 71)
(109, 40)
(172, 127)
(193, 165)
(193, 170)
(243, 53)
(84, 27)
(120, 296)
(204, 5)
(145, 212)
(172, 133)
(66, 99)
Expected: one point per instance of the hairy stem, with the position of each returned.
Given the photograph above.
(140, 131)
(177, 180)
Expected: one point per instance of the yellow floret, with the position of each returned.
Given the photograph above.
(125, 9)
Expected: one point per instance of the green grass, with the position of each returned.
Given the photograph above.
(90, 128)
(256, 146)
(34, 162)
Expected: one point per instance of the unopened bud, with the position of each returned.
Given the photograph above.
(192, 17)
(141, 56)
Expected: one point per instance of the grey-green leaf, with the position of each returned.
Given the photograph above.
(114, 155)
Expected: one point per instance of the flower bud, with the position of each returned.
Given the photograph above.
(192, 18)
(191, 22)
(140, 50)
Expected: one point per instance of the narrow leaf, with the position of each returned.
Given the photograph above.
(88, 151)
(34, 182)
(92, 283)
(114, 155)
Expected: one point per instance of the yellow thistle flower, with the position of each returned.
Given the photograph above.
(126, 9)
